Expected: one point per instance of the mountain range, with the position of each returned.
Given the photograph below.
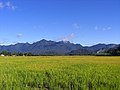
(45, 47)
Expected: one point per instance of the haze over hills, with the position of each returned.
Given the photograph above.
(45, 47)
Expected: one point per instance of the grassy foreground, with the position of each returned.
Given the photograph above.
(60, 73)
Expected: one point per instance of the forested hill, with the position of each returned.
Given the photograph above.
(45, 47)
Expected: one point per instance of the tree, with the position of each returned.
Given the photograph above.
(14, 53)
(5, 53)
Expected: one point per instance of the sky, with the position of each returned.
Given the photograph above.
(87, 22)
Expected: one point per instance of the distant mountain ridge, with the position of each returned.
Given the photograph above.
(45, 47)
(97, 47)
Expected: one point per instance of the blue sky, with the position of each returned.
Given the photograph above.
(86, 22)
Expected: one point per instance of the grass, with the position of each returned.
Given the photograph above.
(60, 73)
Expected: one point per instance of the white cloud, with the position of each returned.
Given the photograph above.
(1, 5)
(19, 35)
(7, 5)
(4, 41)
(76, 26)
(15, 42)
(109, 28)
(69, 37)
(10, 5)
(106, 28)
(96, 27)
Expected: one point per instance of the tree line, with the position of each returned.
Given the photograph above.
(6, 53)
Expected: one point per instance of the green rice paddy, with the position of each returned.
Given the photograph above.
(60, 73)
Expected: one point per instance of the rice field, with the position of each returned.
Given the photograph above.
(60, 73)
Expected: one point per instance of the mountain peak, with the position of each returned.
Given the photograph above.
(43, 40)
